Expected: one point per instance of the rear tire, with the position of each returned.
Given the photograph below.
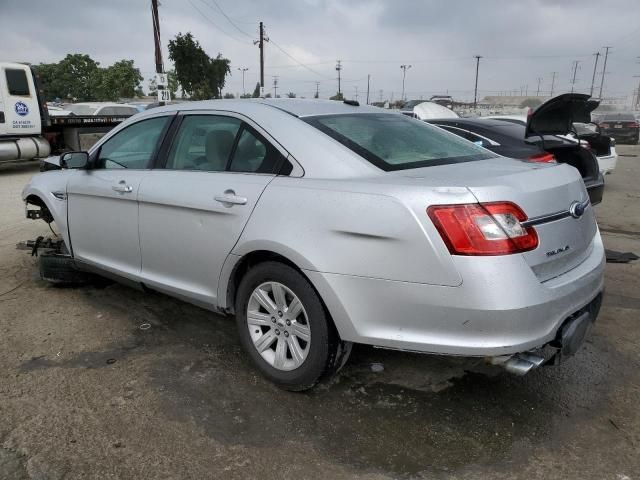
(61, 270)
(274, 336)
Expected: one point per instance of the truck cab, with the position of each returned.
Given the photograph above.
(21, 115)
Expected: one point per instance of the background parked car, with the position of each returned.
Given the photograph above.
(553, 122)
(621, 126)
(100, 108)
(425, 110)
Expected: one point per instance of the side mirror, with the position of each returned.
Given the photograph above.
(74, 160)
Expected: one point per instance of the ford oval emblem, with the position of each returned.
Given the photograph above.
(576, 210)
(21, 109)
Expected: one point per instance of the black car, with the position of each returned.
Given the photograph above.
(621, 126)
(539, 140)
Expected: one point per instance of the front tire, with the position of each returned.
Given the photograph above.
(285, 328)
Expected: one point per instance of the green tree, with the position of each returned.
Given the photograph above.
(172, 80)
(245, 95)
(256, 91)
(120, 80)
(200, 76)
(291, 95)
(76, 76)
(229, 95)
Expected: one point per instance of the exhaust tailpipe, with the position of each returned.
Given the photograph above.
(519, 364)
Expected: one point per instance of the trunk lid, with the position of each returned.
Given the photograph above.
(557, 115)
(545, 192)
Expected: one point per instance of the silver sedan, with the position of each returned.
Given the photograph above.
(320, 223)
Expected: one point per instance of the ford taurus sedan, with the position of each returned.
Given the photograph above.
(318, 224)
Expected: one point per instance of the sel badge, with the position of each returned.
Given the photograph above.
(21, 109)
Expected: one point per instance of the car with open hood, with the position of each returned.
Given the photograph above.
(319, 224)
(543, 137)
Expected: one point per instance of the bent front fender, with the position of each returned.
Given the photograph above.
(50, 189)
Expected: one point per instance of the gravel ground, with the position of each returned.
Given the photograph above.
(85, 393)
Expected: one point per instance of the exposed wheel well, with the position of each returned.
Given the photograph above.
(45, 213)
(243, 266)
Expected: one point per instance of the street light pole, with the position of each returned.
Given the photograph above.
(243, 69)
(404, 74)
(475, 92)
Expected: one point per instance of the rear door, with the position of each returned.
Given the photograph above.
(195, 206)
(103, 201)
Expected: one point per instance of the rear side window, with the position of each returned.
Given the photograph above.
(203, 142)
(396, 142)
(17, 83)
(254, 155)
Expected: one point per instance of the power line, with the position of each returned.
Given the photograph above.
(231, 21)
(297, 61)
(202, 14)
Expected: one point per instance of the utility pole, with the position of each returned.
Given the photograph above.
(538, 90)
(475, 92)
(156, 39)
(275, 86)
(368, 85)
(356, 87)
(338, 69)
(260, 43)
(317, 89)
(593, 78)
(637, 104)
(526, 90)
(404, 74)
(381, 95)
(553, 82)
(575, 70)
(243, 69)
(604, 70)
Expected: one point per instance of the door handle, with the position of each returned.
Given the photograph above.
(122, 187)
(229, 198)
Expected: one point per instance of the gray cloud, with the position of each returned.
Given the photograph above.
(521, 41)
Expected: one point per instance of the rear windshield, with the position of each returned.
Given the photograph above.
(397, 142)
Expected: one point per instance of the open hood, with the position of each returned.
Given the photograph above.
(556, 116)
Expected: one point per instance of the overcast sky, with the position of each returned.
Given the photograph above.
(520, 41)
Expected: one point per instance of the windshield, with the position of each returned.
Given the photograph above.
(396, 142)
(81, 109)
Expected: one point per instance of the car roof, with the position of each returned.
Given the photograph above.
(298, 107)
(480, 122)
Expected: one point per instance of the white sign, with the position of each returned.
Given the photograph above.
(161, 79)
(164, 95)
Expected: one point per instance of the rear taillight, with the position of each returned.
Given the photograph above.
(633, 125)
(542, 158)
(483, 228)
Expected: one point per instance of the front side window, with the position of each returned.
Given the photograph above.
(132, 147)
(396, 142)
(203, 142)
(17, 82)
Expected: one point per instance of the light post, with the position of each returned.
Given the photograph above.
(243, 69)
(404, 74)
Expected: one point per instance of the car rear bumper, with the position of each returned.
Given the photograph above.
(621, 136)
(501, 308)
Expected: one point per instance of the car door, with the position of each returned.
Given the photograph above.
(194, 208)
(102, 204)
